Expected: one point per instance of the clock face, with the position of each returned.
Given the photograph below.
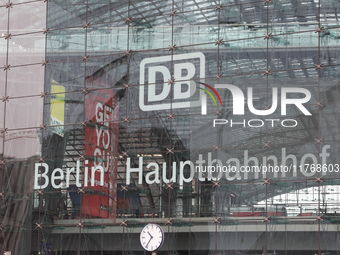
(151, 237)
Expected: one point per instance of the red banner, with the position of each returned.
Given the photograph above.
(101, 149)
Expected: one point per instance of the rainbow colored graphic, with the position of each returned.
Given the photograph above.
(204, 98)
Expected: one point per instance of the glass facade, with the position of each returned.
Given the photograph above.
(216, 119)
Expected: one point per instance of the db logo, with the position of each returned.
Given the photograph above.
(155, 85)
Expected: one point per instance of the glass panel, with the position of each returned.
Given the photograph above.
(3, 32)
(66, 42)
(107, 39)
(17, 205)
(21, 144)
(22, 82)
(28, 17)
(99, 12)
(22, 45)
(221, 143)
(63, 14)
(24, 112)
(17, 239)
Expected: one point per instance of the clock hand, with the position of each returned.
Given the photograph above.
(148, 242)
(150, 235)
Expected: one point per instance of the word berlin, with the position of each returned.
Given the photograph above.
(184, 176)
(59, 175)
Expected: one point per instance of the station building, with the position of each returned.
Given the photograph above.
(216, 119)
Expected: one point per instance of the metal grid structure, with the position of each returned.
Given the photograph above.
(248, 43)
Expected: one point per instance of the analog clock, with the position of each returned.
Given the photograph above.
(151, 237)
